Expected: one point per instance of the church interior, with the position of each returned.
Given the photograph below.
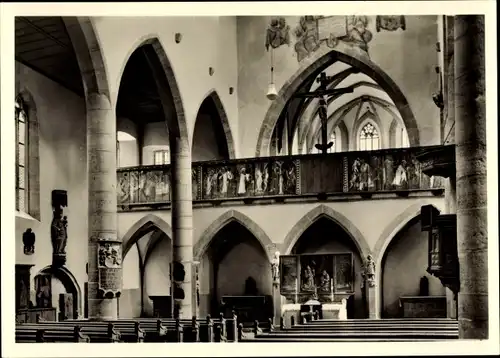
(250, 178)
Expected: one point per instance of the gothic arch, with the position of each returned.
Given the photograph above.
(165, 80)
(89, 55)
(385, 239)
(233, 215)
(223, 119)
(312, 66)
(325, 211)
(145, 225)
(69, 282)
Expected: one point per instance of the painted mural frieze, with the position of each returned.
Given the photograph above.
(312, 32)
(390, 23)
(278, 33)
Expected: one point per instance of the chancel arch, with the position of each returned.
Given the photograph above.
(324, 231)
(212, 137)
(234, 257)
(315, 64)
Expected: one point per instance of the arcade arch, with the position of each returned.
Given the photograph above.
(234, 258)
(212, 137)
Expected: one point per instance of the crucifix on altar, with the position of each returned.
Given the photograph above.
(323, 93)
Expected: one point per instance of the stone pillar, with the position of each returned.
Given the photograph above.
(104, 276)
(370, 291)
(471, 191)
(182, 230)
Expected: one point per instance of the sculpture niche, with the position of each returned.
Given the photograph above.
(59, 228)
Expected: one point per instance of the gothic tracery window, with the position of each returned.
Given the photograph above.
(21, 157)
(369, 138)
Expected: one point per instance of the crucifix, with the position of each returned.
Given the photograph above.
(322, 93)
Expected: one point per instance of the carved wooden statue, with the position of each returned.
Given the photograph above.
(59, 228)
(58, 232)
(29, 242)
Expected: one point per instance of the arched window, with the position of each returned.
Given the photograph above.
(333, 148)
(21, 155)
(369, 138)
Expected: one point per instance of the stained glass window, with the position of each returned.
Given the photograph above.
(161, 157)
(21, 157)
(369, 138)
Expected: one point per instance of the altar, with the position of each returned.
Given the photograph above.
(313, 283)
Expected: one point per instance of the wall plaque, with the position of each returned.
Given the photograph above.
(109, 260)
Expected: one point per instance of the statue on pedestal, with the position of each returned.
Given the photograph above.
(275, 266)
(369, 271)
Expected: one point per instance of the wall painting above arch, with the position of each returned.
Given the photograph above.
(312, 32)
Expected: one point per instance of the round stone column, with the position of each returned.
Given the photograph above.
(104, 275)
(471, 190)
(182, 230)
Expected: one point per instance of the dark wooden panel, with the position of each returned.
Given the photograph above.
(321, 174)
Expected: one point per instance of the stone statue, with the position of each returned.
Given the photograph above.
(275, 265)
(369, 271)
(29, 242)
(59, 232)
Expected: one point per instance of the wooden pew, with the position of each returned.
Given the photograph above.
(98, 332)
(50, 334)
(129, 332)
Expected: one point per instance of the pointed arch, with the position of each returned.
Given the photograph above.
(142, 227)
(316, 63)
(224, 121)
(325, 211)
(344, 135)
(88, 54)
(168, 90)
(233, 215)
(70, 283)
(390, 232)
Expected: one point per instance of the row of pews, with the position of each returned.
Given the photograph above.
(356, 330)
(130, 330)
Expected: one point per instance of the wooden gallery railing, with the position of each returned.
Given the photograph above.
(366, 172)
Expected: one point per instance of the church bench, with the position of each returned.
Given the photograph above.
(99, 332)
(130, 332)
(50, 334)
(208, 330)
